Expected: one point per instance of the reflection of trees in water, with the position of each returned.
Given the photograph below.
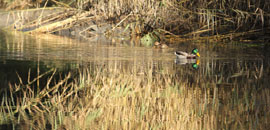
(11, 69)
(49, 51)
(167, 94)
(167, 90)
(21, 53)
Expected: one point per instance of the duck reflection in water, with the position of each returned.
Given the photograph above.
(188, 58)
(194, 62)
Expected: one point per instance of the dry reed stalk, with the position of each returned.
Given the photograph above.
(120, 22)
(61, 4)
(177, 15)
(61, 24)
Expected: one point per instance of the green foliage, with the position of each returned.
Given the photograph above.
(149, 39)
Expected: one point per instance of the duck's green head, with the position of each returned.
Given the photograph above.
(195, 51)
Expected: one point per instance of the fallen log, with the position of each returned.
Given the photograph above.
(52, 27)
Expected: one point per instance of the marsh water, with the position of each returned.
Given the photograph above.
(227, 65)
(21, 53)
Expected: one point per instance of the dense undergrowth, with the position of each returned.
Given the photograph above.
(224, 19)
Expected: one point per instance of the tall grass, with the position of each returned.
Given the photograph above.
(115, 98)
(188, 18)
(182, 17)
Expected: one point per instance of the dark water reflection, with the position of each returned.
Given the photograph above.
(225, 64)
(20, 52)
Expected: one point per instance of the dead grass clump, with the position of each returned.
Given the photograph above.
(181, 19)
(190, 17)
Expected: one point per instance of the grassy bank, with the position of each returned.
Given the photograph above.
(103, 98)
(191, 18)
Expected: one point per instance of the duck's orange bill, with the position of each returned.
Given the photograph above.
(198, 54)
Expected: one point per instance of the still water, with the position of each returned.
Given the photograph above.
(20, 53)
(225, 65)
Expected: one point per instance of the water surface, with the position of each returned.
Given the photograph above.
(225, 63)
(233, 69)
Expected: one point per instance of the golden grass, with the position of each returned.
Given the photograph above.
(103, 98)
(188, 18)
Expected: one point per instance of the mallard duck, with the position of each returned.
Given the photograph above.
(160, 45)
(184, 55)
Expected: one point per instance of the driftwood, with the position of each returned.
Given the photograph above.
(47, 19)
(23, 17)
(73, 22)
(62, 24)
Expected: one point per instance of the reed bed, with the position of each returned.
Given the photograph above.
(113, 98)
(190, 18)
